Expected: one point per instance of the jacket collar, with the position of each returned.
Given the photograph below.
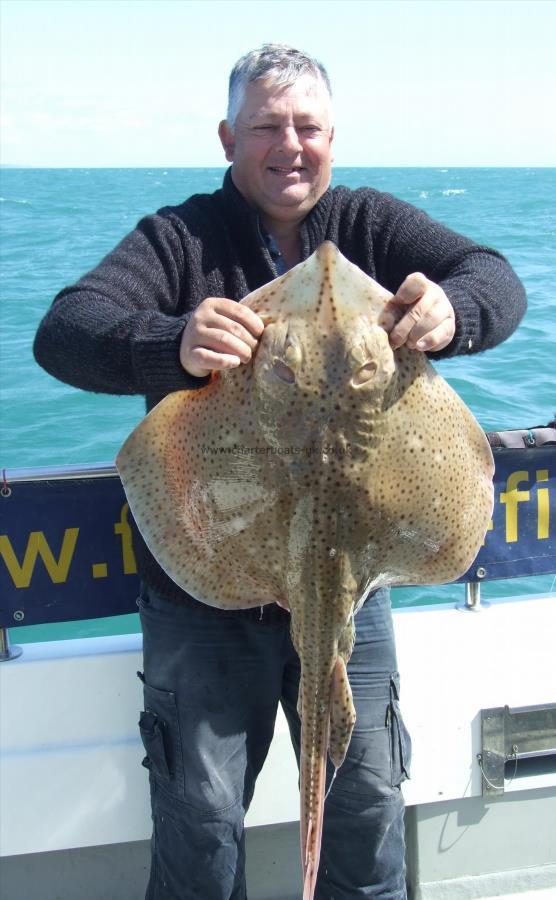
(313, 228)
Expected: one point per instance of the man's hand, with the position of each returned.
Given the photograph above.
(221, 334)
(429, 323)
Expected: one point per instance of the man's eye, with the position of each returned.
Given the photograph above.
(265, 127)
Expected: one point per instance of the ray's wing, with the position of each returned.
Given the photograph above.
(206, 503)
(434, 490)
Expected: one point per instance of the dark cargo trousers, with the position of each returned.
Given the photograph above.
(212, 683)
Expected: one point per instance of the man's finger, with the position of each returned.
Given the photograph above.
(237, 330)
(221, 340)
(411, 289)
(236, 312)
(428, 316)
(204, 359)
(416, 321)
(438, 338)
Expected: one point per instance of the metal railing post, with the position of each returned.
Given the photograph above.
(473, 601)
(7, 651)
(473, 595)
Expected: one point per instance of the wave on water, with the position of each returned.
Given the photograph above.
(449, 192)
(12, 200)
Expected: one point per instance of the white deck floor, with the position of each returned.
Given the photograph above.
(80, 784)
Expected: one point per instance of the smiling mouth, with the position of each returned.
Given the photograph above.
(285, 170)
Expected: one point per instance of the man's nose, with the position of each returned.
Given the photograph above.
(289, 140)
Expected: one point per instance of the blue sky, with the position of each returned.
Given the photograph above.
(141, 83)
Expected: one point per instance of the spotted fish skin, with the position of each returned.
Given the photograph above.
(327, 467)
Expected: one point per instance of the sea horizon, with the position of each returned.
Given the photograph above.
(224, 167)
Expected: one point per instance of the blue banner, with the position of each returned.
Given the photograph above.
(66, 551)
(66, 545)
(521, 536)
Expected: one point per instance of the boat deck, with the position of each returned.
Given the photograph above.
(74, 799)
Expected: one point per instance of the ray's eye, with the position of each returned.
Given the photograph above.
(292, 354)
(364, 373)
(283, 372)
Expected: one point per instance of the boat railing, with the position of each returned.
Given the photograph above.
(66, 538)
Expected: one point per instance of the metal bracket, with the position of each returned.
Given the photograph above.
(513, 734)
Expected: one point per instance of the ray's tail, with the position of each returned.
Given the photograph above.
(314, 748)
(327, 719)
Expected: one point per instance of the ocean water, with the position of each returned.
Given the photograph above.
(58, 223)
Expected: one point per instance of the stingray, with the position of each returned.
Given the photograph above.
(327, 467)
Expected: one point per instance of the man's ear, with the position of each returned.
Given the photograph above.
(227, 139)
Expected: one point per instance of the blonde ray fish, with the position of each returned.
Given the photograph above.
(328, 467)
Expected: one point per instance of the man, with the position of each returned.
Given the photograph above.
(157, 315)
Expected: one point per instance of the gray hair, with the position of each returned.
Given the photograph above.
(278, 62)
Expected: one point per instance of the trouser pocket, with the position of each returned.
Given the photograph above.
(152, 736)
(160, 734)
(400, 741)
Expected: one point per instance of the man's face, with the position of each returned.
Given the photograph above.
(280, 149)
